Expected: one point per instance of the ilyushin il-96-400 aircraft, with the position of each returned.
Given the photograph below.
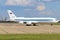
(31, 21)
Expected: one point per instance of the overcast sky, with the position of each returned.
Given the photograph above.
(31, 8)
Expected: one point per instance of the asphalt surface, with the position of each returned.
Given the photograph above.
(15, 28)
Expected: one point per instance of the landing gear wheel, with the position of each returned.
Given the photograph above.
(28, 25)
(34, 24)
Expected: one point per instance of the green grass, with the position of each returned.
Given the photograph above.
(29, 36)
(56, 23)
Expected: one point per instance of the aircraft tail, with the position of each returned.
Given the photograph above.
(11, 15)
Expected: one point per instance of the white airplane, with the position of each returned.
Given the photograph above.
(30, 21)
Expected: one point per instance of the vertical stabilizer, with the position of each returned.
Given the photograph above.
(11, 15)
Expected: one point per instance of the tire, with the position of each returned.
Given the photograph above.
(34, 24)
(28, 24)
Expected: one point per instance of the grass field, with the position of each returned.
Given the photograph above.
(29, 36)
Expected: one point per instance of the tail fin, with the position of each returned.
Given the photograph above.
(11, 15)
